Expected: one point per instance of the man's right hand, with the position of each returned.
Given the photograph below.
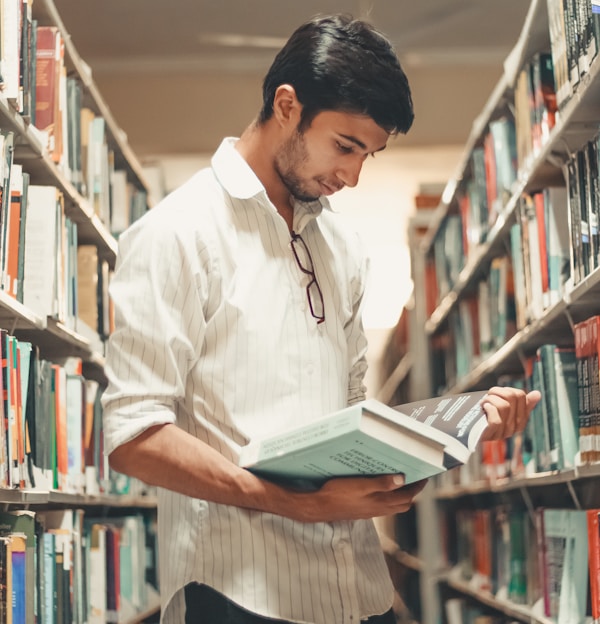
(354, 498)
(168, 457)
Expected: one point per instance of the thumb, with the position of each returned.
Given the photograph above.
(532, 399)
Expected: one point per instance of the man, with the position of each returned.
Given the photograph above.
(238, 312)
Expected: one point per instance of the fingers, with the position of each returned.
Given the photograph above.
(507, 410)
(361, 497)
(391, 483)
(400, 499)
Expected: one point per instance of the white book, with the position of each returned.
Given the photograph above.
(41, 231)
(10, 31)
(97, 575)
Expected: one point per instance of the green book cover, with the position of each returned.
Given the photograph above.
(566, 543)
(419, 440)
(567, 407)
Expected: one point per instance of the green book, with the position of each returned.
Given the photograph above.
(566, 543)
(560, 374)
(419, 440)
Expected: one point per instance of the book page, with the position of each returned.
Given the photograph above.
(460, 416)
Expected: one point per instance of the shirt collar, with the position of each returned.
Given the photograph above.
(238, 179)
(234, 173)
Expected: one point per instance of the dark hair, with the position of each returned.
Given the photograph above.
(341, 64)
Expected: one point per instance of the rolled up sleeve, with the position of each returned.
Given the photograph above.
(159, 324)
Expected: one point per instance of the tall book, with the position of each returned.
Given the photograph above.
(557, 241)
(49, 68)
(87, 285)
(74, 388)
(559, 367)
(10, 37)
(585, 370)
(43, 238)
(566, 546)
(593, 528)
(19, 578)
(22, 522)
(98, 573)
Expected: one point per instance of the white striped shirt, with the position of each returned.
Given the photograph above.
(213, 332)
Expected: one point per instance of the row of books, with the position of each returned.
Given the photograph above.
(533, 277)
(555, 241)
(575, 39)
(488, 185)
(41, 263)
(18, 59)
(507, 147)
(563, 429)
(582, 175)
(66, 566)
(513, 137)
(540, 252)
(520, 287)
(535, 107)
(51, 438)
(36, 84)
(463, 611)
(510, 144)
(481, 322)
(74, 135)
(547, 560)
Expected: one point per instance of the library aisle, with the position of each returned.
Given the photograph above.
(507, 284)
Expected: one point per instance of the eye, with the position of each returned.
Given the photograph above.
(345, 149)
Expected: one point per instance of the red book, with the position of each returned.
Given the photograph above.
(538, 201)
(49, 68)
(594, 561)
(491, 181)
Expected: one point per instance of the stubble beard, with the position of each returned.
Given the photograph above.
(288, 161)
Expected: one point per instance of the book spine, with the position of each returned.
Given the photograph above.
(593, 527)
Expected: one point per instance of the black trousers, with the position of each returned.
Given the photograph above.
(204, 605)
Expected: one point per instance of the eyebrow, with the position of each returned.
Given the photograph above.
(360, 144)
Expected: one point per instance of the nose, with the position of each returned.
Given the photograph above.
(349, 172)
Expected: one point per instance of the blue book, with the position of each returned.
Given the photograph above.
(19, 582)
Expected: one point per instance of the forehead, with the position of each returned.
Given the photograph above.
(360, 129)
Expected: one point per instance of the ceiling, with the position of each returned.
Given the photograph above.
(178, 75)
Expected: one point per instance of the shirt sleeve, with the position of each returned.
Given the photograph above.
(159, 321)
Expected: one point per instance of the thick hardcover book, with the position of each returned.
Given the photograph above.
(419, 440)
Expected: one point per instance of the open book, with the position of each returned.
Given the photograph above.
(419, 440)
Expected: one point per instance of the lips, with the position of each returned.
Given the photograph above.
(330, 189)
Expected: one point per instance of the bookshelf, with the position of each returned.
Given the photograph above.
(499, 301)
(86, 525)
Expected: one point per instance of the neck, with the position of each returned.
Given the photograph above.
(257, 146)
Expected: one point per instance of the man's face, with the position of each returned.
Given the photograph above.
(328, 155)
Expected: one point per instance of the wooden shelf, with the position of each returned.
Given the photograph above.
(521, 613)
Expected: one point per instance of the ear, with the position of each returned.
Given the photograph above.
(286, 106)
